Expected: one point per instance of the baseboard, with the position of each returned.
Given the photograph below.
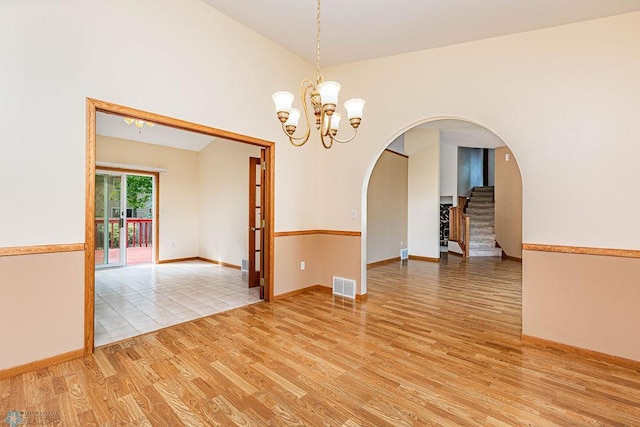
(384, 261)
(424, 258)
(579, 351)
(512, 258)
(361, 297)
(39, 364)
(167, 261)
(455, 254)
(224, 264)
(320, 288)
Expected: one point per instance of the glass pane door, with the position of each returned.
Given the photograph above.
(109, 219)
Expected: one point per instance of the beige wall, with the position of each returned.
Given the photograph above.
(223, 189)
(291, 251)
(387, 200)
(587, 301)
(40, 294)
(179, 211)
(508, 203)
(325, 256)
(422, 145)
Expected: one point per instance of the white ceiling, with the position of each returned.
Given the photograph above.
(356, 30)
(464, 134)
(114, 126)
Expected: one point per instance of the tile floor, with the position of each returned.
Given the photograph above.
(138, 299)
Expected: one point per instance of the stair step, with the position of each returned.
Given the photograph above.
(483, 189)
(485, 252)
(482, 245)
(483, 238)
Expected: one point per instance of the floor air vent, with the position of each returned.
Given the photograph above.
(344, 287)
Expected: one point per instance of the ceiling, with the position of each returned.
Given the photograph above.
(464, 134)
(114, 126)
(356, 30)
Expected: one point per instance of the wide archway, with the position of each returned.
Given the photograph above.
(421, 172)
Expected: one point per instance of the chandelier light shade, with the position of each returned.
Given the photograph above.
(138, 123)
(323, 97)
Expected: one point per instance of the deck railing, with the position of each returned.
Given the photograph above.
(139, 232)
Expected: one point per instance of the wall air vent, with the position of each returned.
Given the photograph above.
(344, 287)
(245, 265)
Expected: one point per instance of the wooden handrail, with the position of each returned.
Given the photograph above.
(459, 225)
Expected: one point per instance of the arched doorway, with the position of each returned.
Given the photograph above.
(452, 155)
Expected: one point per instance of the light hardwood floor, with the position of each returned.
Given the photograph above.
(434, 344)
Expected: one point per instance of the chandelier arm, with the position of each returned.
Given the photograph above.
(326, 132)
(342, 141)
(303, 138)
(305, 85)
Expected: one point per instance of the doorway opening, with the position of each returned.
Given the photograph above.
(121, 217)
(442, 160)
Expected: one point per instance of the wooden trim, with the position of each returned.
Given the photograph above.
(94, 105)
(384, 261)
(320, 288)
(89, 230)
(395, 152)
(172, 260)
(455, 254)
(424, 258)
(40, 364)
(156, 214)
(512, 258)
(624, 253)
(361, 297)
(269, 209)
(579, 351)
(41, 249)
(224, 264)
(111, 108)
(309, 232)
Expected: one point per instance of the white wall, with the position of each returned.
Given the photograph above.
(422, 145)
(469, 170)
(58, 53)
(449, 172)
(223, 181)
(570, 90)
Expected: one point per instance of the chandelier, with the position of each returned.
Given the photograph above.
(323, 97)
(138, 123)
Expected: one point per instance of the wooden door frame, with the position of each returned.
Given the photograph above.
(253, 281)
(93, 106)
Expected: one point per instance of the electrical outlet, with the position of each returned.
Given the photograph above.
(401, 243)
(173, 244)
(354, 214)
(302, 265)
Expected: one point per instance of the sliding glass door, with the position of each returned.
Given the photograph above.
(109, 219)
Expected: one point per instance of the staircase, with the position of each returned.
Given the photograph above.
(482, 233)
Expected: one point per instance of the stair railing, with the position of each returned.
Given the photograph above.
(459, 225)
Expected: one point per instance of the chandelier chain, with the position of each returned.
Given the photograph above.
(318, 75)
